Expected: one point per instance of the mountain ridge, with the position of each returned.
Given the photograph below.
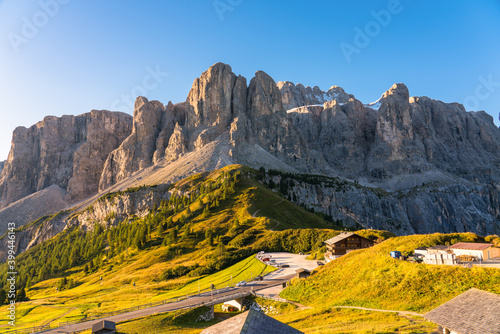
(397, 144)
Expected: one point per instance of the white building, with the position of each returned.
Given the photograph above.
(480, 251)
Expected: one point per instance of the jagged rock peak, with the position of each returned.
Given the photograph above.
(398, 90)
(296, 95)
(210, 98)
(264, 96)
(136, 152)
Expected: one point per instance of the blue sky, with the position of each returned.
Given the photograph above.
(93, 54)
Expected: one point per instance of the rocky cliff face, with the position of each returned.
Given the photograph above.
(408, 139)
(136, 151)
(423, 209)
(396, 144)
(66, 151)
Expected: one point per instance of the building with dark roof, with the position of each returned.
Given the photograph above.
(344, 243)
(250, 322)
(104, 327)
(303, 273)
(473, 312)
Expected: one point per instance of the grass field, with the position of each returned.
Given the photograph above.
(245, 270)
(92, 298)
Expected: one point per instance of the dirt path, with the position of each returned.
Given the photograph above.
(277, 223)
(59, 317)
(378, 310)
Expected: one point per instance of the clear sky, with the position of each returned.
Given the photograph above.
(71, 56)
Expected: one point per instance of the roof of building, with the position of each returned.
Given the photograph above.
(103, 324)
(471, 246)
(342, 236)
(473, 312)
(439, 247)
(250, 322)
(302, 270)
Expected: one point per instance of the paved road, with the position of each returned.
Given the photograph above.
(194, 301)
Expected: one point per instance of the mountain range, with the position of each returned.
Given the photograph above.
(410, 164)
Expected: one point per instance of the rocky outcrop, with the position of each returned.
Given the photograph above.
(2, 164)
(395, 150)
(67, 151)
(35, 233)
(120, 206)
(270, 126)
(466, 144)
(210, 103)
(136, 152)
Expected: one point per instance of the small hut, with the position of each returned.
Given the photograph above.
(303, 273)
(104, 327)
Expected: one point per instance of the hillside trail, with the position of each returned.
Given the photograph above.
(255, 213)
(59, 317)
(379, 310)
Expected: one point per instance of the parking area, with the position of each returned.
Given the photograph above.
(291, 261)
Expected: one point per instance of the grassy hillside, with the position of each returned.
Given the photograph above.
(210, 222)
(371, 278)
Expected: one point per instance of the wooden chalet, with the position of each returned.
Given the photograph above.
(343, 244)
